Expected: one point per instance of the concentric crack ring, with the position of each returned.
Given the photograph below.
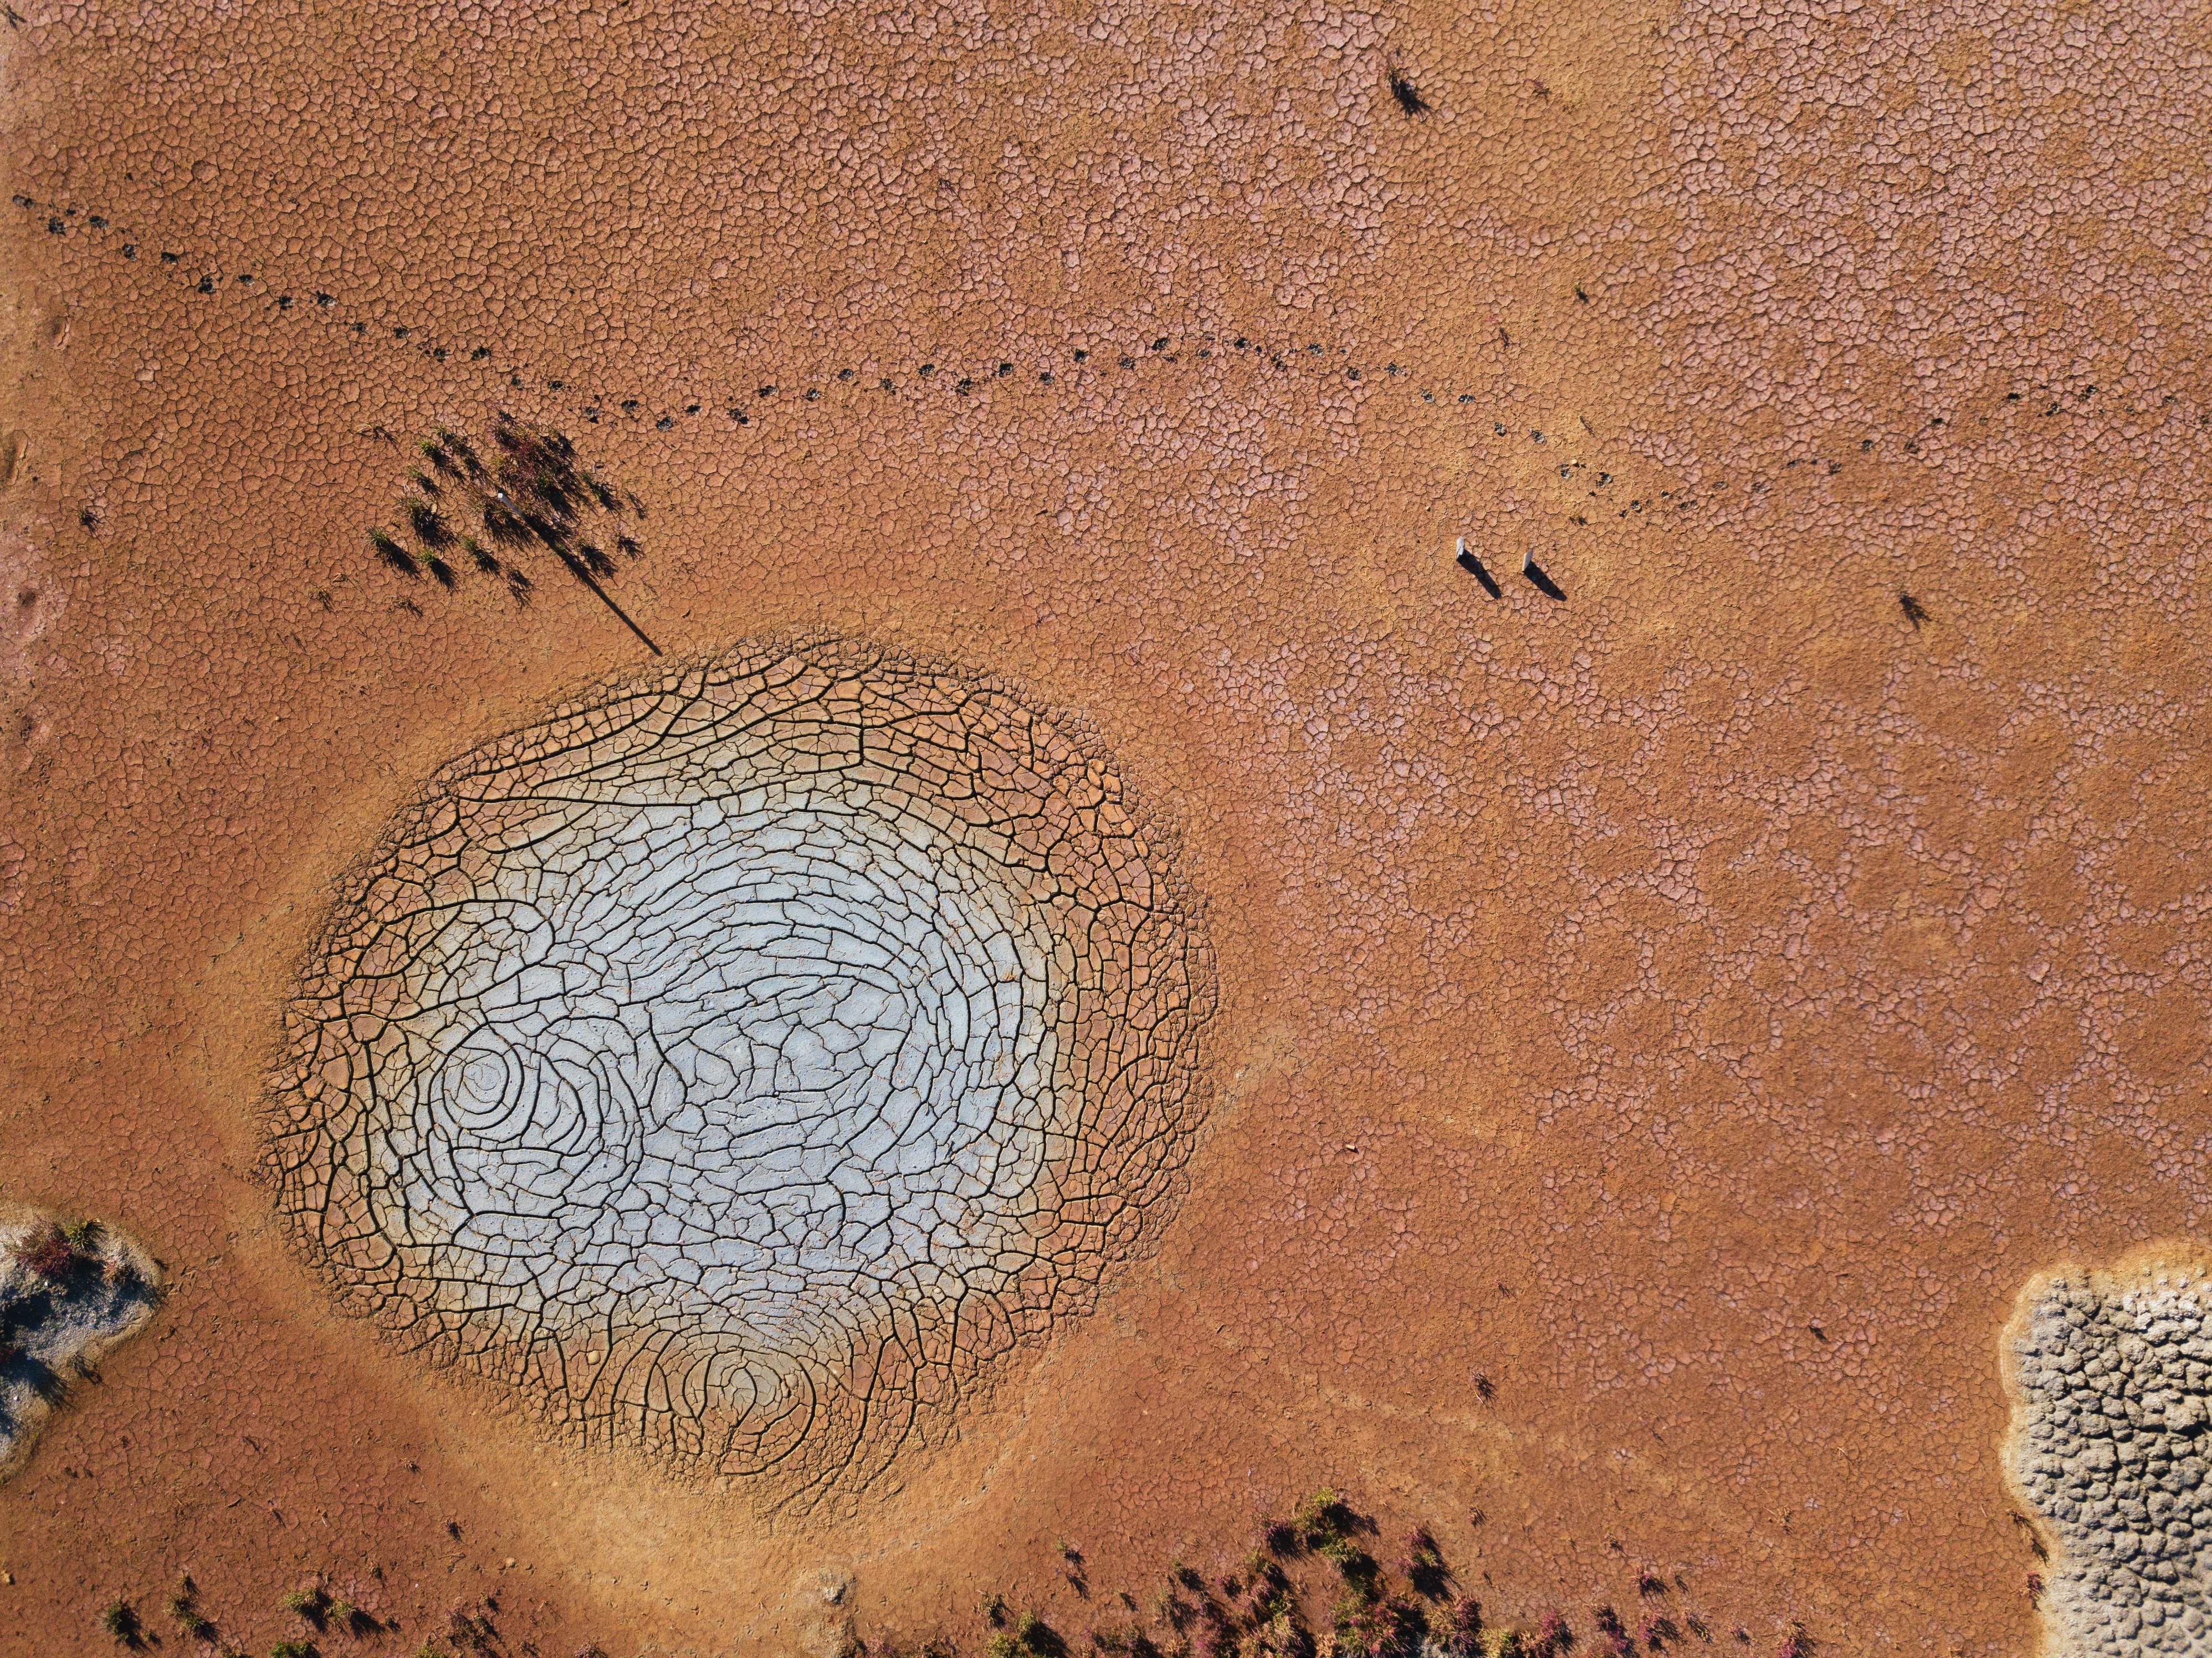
(737, 1063)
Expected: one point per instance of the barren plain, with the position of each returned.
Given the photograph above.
(1659, 1017)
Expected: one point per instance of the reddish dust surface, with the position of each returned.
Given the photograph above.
(1695, 1007)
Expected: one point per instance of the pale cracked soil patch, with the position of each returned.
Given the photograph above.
(2110, 1373)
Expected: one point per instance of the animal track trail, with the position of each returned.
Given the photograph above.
(1607, 482)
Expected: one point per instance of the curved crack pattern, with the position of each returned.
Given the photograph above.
(735, 1063)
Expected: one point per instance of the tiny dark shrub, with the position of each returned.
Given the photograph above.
(392, 553)
(1460, 1630)
(428, 525)
(120, 1622)
(47, 1253)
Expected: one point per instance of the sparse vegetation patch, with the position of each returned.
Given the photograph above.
(531, 492)
(70, 1288)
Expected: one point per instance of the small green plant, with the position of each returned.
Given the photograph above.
(84, 1235)
(1353, 1563)
(430, 527)
(120, 1622)
(184, 1607)
(1390, 1626)
(312, 1604)
(392, 553)
(1423, 1565)
(1003, 1646)
(994, 1608)
(1282, 1635)
(458, 451)
(1322, 1518)
(472, 1630)
(293, 1649)
(1461, 1634)
(188, 1620)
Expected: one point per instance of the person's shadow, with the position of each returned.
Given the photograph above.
(1541, 582)
(1472, 566)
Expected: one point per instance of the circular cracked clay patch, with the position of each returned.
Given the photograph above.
(735, 1063)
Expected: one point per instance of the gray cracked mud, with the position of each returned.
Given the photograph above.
(66, 1298)
(2112, 1382)
(736, 1064)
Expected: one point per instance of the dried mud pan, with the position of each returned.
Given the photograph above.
(2110, 1372)
(736, 1062)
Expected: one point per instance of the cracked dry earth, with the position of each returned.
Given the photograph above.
(1656, 1033)
(2111, 1375)
(735, 1063)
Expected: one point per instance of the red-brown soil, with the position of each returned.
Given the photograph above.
(1695, 1007)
